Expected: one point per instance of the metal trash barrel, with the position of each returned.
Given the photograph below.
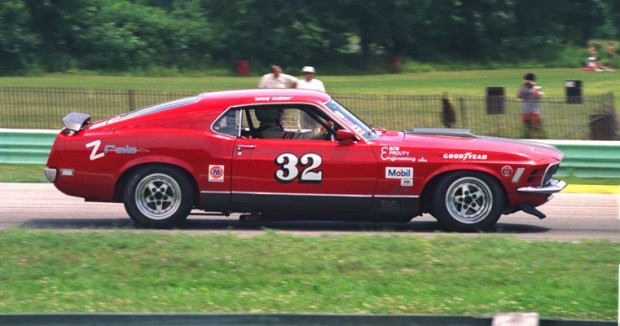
(496, 100)
(573, 91)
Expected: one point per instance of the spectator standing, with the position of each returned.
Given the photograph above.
(277, 79)
(592, 50)
(530, 95)
(611, 54)
(309, 82)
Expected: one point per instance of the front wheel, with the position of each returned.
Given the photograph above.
(158, 196)
(467, 201)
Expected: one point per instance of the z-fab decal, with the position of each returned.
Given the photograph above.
(95, 145)
(107, 149)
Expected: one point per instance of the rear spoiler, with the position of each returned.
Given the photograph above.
(74, 121)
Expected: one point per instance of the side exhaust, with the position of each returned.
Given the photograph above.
(531, 210)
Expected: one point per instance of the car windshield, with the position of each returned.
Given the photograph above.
(159, 107)
(353, 121)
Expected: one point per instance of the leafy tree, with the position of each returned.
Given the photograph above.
(382, 26)
(53, 21)
(122, 35)
(286, 32)
(16, 40)
(137, 34)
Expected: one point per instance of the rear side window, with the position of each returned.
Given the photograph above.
(229, 123)
(159, 107)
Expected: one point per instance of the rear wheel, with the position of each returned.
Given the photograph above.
(158, 196)
(467, 201)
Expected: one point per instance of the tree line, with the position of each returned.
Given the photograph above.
(58, 35)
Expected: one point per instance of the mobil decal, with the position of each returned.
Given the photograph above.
(398, 173)
(405, 175)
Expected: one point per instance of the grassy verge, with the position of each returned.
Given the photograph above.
(592, 181)
(51, 271)
(22, 173)
(104, 96)
(472, 82)
(34, 173)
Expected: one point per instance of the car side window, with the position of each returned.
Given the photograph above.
(229, 123)
(290, 122)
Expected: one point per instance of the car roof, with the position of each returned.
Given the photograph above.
(263, 96)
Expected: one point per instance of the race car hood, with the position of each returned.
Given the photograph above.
(461, 144)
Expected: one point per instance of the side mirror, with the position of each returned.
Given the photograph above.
(347, 136)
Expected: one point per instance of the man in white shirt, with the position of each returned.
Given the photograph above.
(276, 79)
(309, 82)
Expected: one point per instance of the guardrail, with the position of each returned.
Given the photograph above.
(26, 146)
(586, 159)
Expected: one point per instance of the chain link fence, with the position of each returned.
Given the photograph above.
(592, 117)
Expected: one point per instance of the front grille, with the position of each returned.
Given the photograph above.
(534, 176)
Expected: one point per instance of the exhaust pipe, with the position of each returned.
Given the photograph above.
(531, 210)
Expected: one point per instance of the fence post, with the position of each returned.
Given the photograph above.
(132, 99)
(613, 116)
(463, 112)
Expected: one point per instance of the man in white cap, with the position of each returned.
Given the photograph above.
(309, 82)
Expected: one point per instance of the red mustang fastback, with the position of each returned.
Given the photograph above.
(294, 154)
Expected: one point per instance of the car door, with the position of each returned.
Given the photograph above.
(303, 175)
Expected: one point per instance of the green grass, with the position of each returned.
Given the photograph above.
(457, 82)
(123, 271)
(561, 120)
(591, 181)
(22, 173)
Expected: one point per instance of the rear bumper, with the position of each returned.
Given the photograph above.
(50, 174)
(552, 187)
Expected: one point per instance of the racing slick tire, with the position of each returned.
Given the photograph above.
(468, 201)
(158, 196)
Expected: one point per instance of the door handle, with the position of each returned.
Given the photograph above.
(240, 147)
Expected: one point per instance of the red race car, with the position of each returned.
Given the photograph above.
(294, 154)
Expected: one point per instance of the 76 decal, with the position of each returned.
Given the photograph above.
(305, 168)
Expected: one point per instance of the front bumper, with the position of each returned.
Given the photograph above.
(551, 187)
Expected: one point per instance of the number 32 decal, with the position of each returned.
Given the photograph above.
(290, 167)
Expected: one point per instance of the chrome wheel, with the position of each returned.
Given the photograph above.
(158, 196)
(469, 200)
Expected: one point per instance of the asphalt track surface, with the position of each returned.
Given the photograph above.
(570, 217)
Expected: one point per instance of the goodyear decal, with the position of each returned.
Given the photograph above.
(469, 156)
